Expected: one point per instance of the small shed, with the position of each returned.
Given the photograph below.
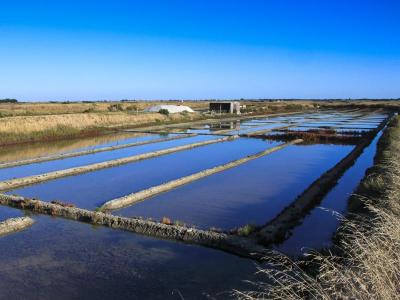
(228, 107)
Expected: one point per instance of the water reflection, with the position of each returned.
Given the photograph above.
(92, 189)
(21, 152)
(61, 259)
(318, 227)
(251, 193)
(50, 166)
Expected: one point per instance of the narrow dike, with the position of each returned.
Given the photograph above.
(19, 182)
(15, 224)
(93, 151)
(142, 195)
(234, 244)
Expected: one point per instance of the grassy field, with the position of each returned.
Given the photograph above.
(21, 129)
(365, 262)
(51, 108)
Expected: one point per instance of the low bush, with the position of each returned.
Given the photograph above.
(115, 107)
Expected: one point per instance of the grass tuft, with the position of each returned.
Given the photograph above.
(246, 230)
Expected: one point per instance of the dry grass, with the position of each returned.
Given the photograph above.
(366, 259)
(50, 108)
(46, 108)
(50, 127)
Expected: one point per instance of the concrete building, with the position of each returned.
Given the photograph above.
(228, 107)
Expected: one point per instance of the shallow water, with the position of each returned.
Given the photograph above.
(346, 125)
(263, 127)
(6, 212)
(318, 227)
(92, 189)
(31, 150)
(251, 193)
(49, 166)
(301, 128)
(62, 259)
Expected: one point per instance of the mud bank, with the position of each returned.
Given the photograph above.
(234, 244)
(93, 151)
(141, 195)
(15, 224)
(278, 228)
(19, 182)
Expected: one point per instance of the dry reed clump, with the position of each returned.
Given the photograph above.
(166, 221)
(365, 263)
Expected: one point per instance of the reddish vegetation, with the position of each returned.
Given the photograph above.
(321, 131)
(318, 135)
(166, 221)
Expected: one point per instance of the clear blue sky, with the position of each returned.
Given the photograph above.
(181, 49)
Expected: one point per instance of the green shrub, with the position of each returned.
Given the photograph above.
(8, 100)
(246, 230)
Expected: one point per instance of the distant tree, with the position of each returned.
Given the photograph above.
(8, 100)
